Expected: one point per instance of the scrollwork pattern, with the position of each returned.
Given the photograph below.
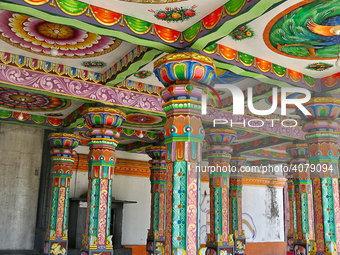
(79, 89)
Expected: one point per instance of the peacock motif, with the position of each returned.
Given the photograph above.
(307, 31)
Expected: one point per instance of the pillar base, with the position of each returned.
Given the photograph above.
(215, 249)
(290, 241)
(96, 252)
(301, 248)
(155, 246)
(239, 246)
(322, 253)
(55, 247)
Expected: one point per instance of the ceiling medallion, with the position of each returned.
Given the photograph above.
(143, 119)
(304, 30)
(39, 36)
(153, 1)
(19, 100)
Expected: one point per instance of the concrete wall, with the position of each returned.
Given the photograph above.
(20, 157)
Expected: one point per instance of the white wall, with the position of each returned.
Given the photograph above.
(265, 206)
(20, 156)
(262, 213)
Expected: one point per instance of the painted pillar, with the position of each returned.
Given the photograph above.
(183, 75)
(303, 196)
(292, 211)
(103, 122)
(156, 234)
(62, 160)
(235, 203)
(218, 153)
(321, 135)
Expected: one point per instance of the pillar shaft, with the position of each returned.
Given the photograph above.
(303, 193)
(235, 204)
(292, 211)
(156, 234)
(101, 159)
(219, 172)
(236, 186)
(62, 159)
(183, 74)
(321, 135)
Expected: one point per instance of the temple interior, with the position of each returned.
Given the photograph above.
(169, 127)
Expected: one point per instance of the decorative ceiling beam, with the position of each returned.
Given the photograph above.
(88, 92)
(265, 71)
(259, 144)
(128, 65)
(263, 162)
(254, 11)
(249, 66)
(269, 155)
(118, 30)
(134, 147)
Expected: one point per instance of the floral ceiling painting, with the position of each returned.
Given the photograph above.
(38, 36)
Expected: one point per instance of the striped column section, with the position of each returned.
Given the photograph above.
(322, 132)
(235, 203)
(184, 76)
(218, 152)
(62, 160)
(303, 195)
(292, 212)
(156, 234)
(103, 122)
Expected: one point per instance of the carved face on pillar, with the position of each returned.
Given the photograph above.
(184, 127)
(102, 157)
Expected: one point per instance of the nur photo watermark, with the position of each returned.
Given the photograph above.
(239, 106)
(280, 168)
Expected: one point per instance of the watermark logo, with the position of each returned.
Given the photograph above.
(239, 102)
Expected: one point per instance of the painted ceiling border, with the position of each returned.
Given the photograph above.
(134, 57)
(87, 92)
(266, 71)
(179, 40)
(97, 29)
(147, 57)
(238, 64)
(226, 28)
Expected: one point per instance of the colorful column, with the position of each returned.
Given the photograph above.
(235, 203)
(292, 211)
(62, 159)
(183, 75)
(103, 122)
(321, 135)
(156, 234)
(220, 240)
(304, 234)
